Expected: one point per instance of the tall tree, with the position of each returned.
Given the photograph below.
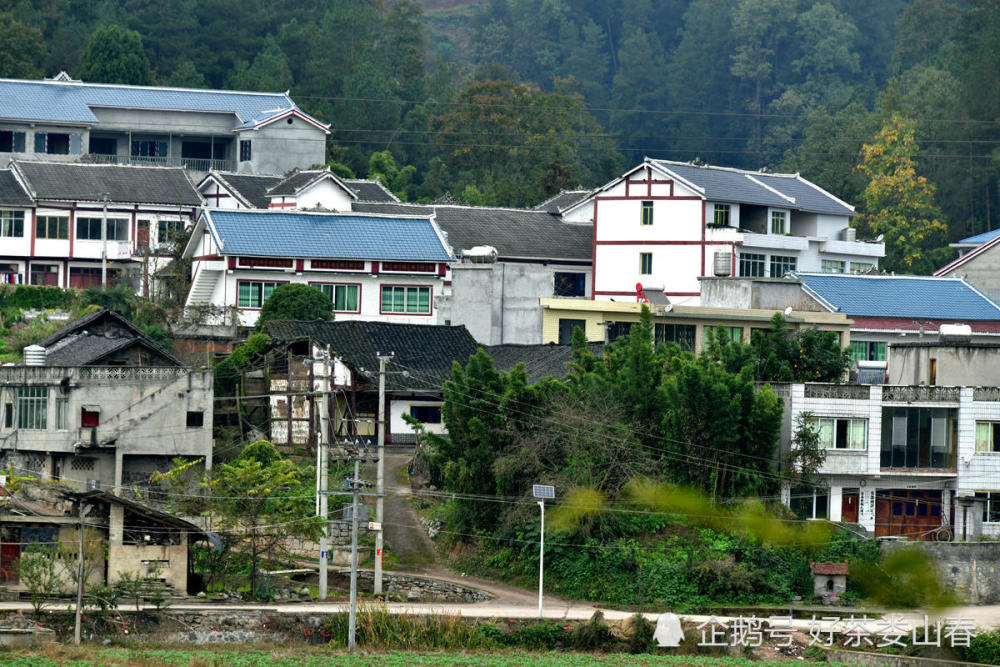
(24, 50)
(899, 204)
(269, 71)
(115, 55)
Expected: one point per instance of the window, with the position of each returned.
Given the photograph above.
(780, 265)
(721, 217)
(566, 327)
(919, 438)
(617, 329)
(991, 505)
(90, 418)
(32, 407)
(149, 148)
(167, 231)
(867, 350)
(861, 267)
(58, 143)
(44, 274)
(12, 223)
(52, 227)
(570, 284)
(245, 152)
(11, 142)
(835, 433)
(103, 146)
(253, 293)
(62, 413)
(832, 266)
(810, 503)
(195, 418)
(400, 299)
(681, 334)
(778, 219)
(344, 297)
(751, 265)
(735, 334)
(8, 415)
(988, 437)
(647, 213)
(646, 263)
(89, 229)
(426, 414)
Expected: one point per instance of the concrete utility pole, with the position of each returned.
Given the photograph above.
(323, 475)
(380, 474)
(105, 198)
(79, 579)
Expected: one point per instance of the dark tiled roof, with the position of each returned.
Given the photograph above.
(540, 361)
(87, 182)
(827, 568)
(370, 190)
(515, 233)
(11, 192)
(294, 182)
(755, 187)
(250, 187)
(83, 342)
(83, 349)
(913, 297)
(426, 352)
(562, 200)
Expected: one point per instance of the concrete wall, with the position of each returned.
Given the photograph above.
(286, 144)
(766, 293)
(969, 364)
(983, 271)
(172, 561)
(968, 570)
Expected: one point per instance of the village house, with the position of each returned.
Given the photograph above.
(300, 189)
(884, 309)
(68, 120)
(665, 224)
(100, 405)
(978, 262)
(390, 268)
(52, 214)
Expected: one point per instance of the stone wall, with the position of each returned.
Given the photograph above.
(971, 570)
(419, 589)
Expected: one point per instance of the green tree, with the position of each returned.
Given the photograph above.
(115, 55)
(899, 204)
(295, 301)
(36, 569)
(269, 72)
(186, 75)
(24, 51)
(383, 168)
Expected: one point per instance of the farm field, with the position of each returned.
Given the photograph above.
(304, 657)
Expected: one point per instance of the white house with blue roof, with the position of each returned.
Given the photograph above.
(391, 268)
(978, 262)
(245, 132)
(666, 224)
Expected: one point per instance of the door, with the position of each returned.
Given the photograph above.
(142, 234)
(849, 507)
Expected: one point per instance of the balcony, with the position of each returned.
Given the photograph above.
(194, 164)
(753, 241)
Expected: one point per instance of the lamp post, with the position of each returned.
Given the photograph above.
(105, 198)
(542, 492)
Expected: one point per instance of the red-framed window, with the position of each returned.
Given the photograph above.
(346, 297)
(406, 300)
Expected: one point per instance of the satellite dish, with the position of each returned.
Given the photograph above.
(788, 311)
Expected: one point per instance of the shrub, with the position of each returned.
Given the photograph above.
(295, 301)
(641, 639)
(542, 636)
(594, 635)
(983, 648)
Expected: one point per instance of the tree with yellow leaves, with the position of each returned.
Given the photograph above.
(899, 204)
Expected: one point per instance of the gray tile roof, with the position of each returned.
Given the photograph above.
(370, 190)
(75, 181)
(745, 187)
(562, 200)
(294, 182)
(251, 187)
(11, 192)
(83, 349)
(425, 351)
(515, 233)
(91, 338)
(540, 361)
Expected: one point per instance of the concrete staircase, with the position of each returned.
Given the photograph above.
(203, 286)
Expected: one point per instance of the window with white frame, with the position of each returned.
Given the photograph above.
(832, 266)
(12, 223)
(779, 222)
(11, 141)
(253, 293)
(780, 265)
(406, 299)
(842, 433)
(426, 414)
(32, 408)
(751, 265)
(810, 503)
(861, 267)
(987, 437)
(168, 231)
(62, 413)
(991, 505)
(344, 296)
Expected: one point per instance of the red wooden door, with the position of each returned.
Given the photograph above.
(849, 508)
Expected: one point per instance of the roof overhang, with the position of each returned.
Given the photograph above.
(285, 114)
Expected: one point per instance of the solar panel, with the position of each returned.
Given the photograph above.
(544, 492)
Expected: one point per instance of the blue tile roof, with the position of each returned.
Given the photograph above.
(71, 102)
(980, 239)
(745, 187)
(915, 297)
(328, 236)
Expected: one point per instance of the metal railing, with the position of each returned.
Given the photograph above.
(194, 164)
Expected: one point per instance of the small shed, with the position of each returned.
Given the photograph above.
(829, 579)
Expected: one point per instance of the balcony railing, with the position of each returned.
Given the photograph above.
(194, 164)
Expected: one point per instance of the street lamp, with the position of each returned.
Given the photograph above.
(105, 198)
(542, 492)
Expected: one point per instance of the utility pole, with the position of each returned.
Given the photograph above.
(105, 198)
(352, 620)
(79, 579)
(323, 475)
(380, 474)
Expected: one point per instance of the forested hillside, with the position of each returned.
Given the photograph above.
(507, 101)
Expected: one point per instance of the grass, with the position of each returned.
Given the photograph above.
(67, 656)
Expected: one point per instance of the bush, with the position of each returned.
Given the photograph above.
(983, 648)
(641, 639)
(542, 636)
(594, 635)
(295, 301)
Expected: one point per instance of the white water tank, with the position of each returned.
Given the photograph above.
(481, 254)
(34, 355)
(723, 264)
(955, 332)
